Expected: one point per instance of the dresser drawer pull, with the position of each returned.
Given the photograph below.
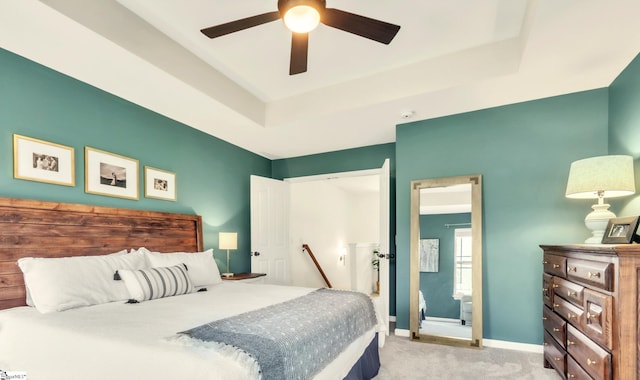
(570, 342)
(557, 359)
(569, 315)
(555, 329)
(572, 269)
(556, 266)
(544, 318)
(591, 362)
(572, 293)
(593, 274)
(571, 376)
(592, 316)
(555, 305)
(555, 286)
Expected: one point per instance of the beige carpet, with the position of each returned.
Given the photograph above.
(403, 359)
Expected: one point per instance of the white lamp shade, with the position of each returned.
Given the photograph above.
(228, 240)
(612, 176)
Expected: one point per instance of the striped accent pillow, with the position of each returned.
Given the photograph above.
(152, 283)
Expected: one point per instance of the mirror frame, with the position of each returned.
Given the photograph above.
(476, 251)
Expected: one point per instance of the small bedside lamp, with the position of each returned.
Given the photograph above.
(228, 240)
(597, 178)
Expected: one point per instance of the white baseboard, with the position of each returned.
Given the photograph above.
(503, 344)
(528, 347)
(438, 319)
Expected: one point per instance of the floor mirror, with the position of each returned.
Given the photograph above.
(446, 261)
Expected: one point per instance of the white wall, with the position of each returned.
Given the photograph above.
(363, 215)
(328, 219)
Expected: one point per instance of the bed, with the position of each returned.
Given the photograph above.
(422, 306)
(146, 338)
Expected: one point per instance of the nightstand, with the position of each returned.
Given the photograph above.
(257, 278)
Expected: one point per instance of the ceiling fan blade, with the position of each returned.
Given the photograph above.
(366, 27)
(237, 25)
(299, 50)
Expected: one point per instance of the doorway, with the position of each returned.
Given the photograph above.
(330, 213)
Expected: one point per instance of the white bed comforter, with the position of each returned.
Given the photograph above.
(138, 341)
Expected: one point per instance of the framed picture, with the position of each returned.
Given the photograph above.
(159, 184)
(620, 230)
(429, 255)
(43, 161)
(110, 174)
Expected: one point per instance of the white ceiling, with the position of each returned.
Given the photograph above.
(453, 199)
(449, 57)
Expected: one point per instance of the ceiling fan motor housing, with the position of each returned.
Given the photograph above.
(285, 5)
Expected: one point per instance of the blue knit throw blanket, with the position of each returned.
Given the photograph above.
(296, 339)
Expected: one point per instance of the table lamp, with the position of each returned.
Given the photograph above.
(598, 178)
(228, 240)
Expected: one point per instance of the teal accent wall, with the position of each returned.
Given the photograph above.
(624, 111)
(212, 175)
(624, 129)
(437, 287)
(370, 157)
(523, 151)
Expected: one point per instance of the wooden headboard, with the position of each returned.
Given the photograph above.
(31, 228)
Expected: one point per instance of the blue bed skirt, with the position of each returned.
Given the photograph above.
(367, 366)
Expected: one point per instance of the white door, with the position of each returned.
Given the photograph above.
(270, 229)
(384, 247)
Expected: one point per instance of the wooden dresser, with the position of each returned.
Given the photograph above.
(590, 313)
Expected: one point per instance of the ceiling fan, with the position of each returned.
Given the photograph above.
(302, 16)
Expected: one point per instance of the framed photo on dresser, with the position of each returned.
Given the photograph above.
(621, 230)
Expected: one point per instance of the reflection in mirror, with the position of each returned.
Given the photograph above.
(446, 273)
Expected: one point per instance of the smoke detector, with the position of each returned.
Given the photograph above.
(407, 114)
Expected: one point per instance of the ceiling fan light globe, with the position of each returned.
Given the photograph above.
(302, 18)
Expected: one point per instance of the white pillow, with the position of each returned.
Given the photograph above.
(30, 300)
(57, 284)
(202, 267)
(152, 283)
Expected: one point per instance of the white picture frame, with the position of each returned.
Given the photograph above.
(43, 161)
(159, 184)
(110, 174)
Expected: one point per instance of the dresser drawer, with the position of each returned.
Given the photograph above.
(554, 264)
(591, 357)
(568, 290)
(572, 313)
(554, 325)
(554, 355)
(598, 274)
(546, 289)
(598, 317)
(575, 372)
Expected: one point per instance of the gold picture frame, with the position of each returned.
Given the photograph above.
(110, 174)
(43, 161)
(159, 184)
